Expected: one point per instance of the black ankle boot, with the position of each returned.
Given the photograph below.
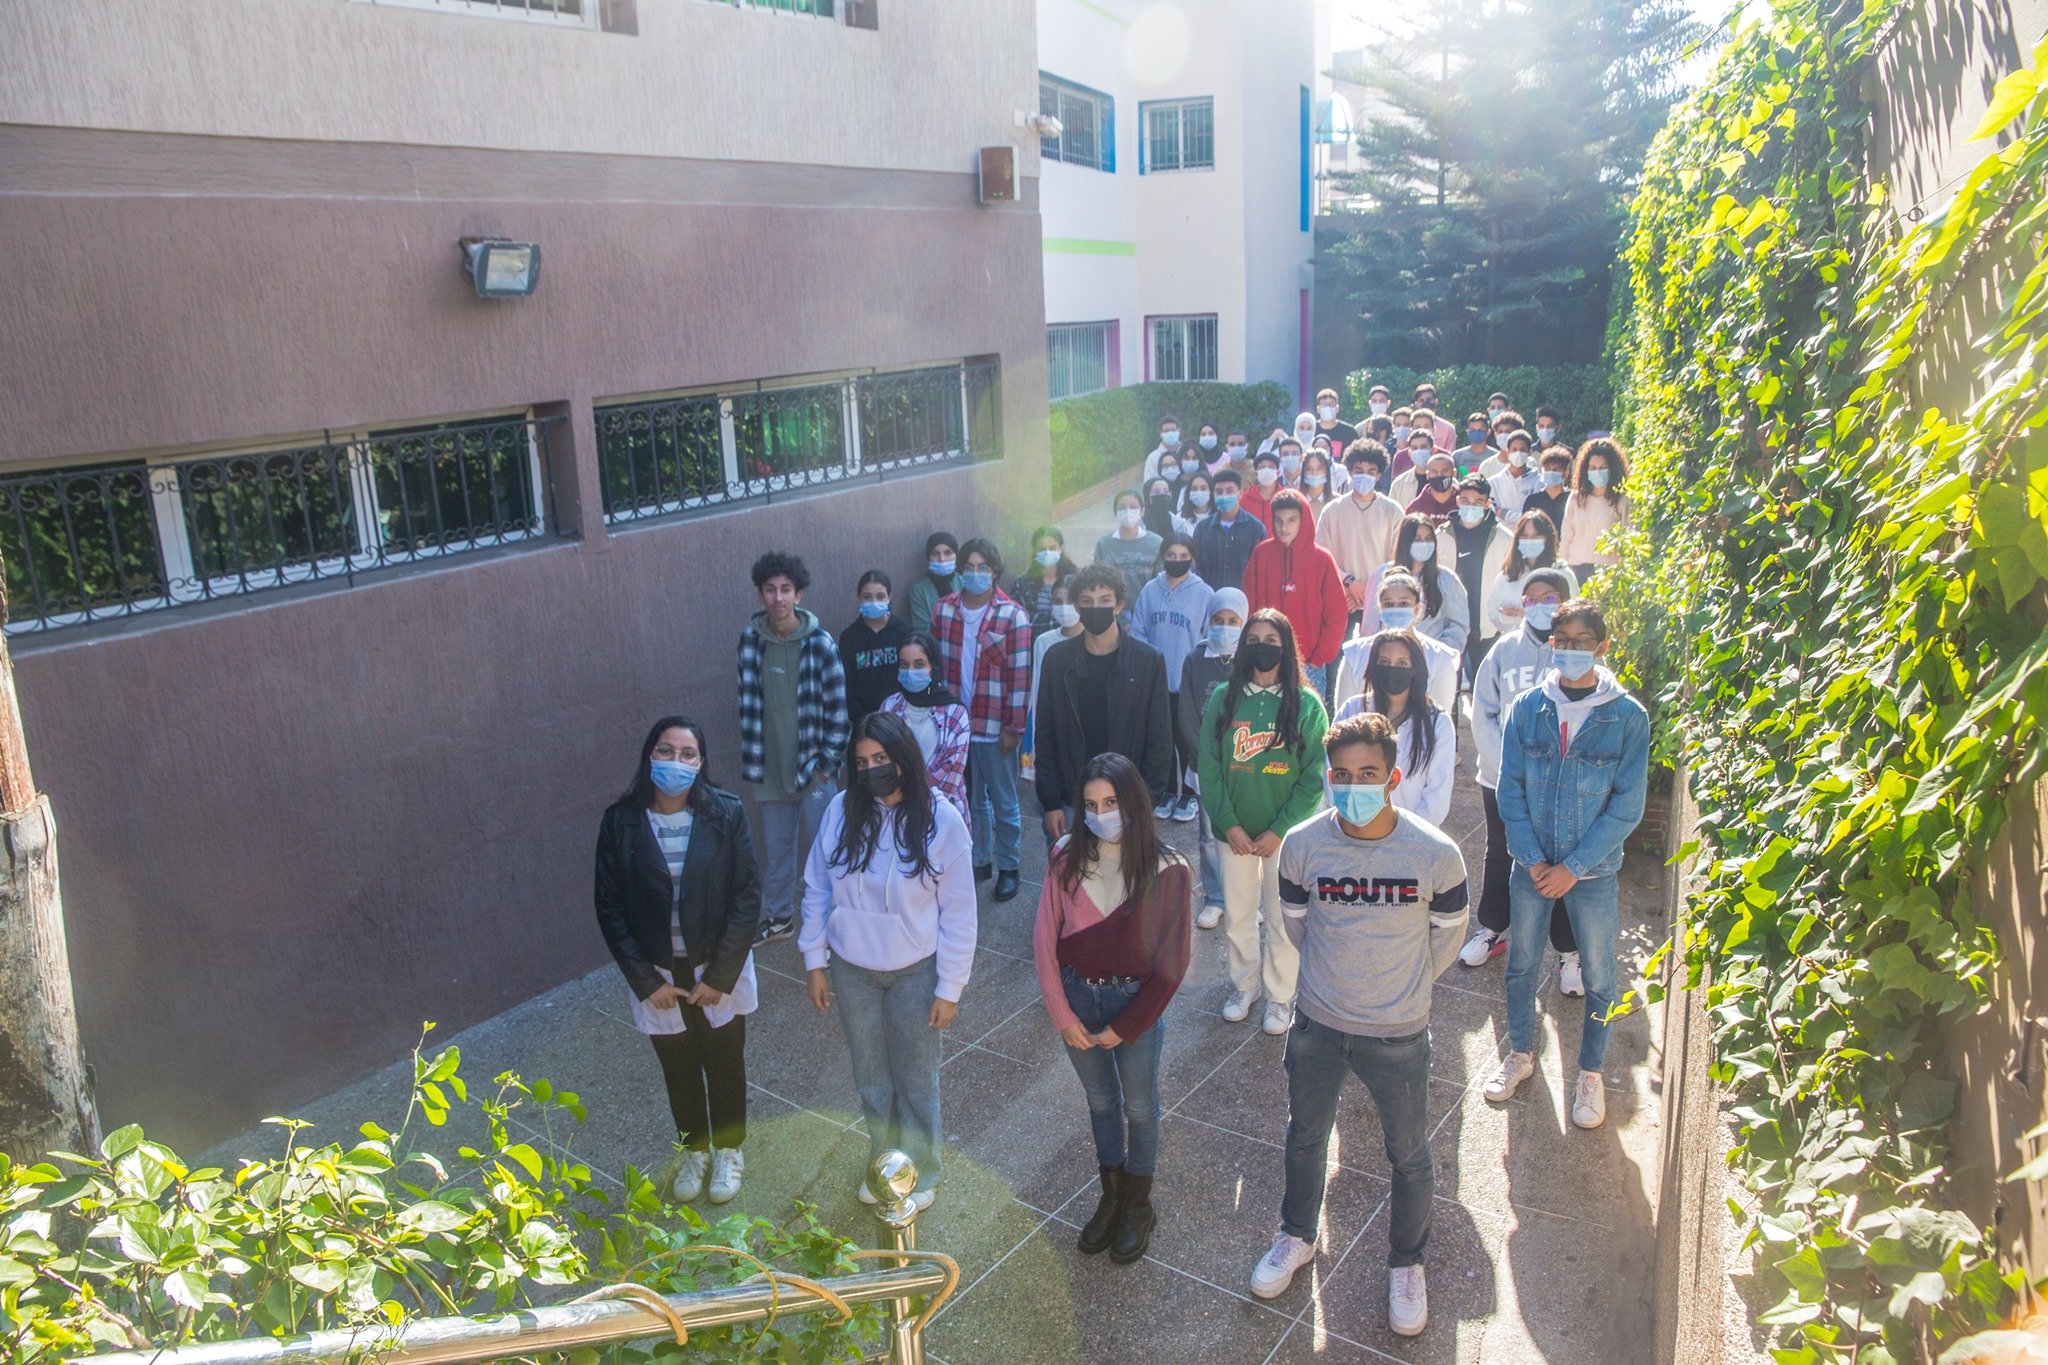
(1096, 1235)
(1134, 1220)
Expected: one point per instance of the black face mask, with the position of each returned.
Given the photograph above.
(1263, 655)
(1439, 483)
(1391, 679)
(881, 780)
(1178, 568)
(1096, 620)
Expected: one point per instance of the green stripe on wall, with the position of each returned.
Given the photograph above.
(1088, 246)
(1099, 10)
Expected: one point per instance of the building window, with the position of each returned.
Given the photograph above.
(1087, 124)
(573, 13)
(94, 542)
(699, 450)
(1183, 347)
(1080, 358)
(1180, 135)
(821, 9)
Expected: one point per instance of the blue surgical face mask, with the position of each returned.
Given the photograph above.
(1047, 559)
(1546, 434)
(1360, 804)
(1170, 437)
(1553, 478)
(1226, 503)
(975, 582)
(671, 778)
(1471, 515)
(1223, 639)
(1423, 550)
(941, 568)
(913, 679)
(1475, 438)
(1397, 618)
(1208, 439)
(1573, 663)
(1198, 497)
(1539, 614)
(1290, 464)
(1532, 547)
(1598, 477)
(1401, 433)
(1108, 825)
(874, 611)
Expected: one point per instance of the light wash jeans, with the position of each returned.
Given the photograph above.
(787, 829)
(992, 795)
(1594, 907)
(895, 1055)
(1212, 861)
(1396, 1073)
(1122, 1083)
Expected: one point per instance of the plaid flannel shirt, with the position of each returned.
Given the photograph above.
(948, 762)
(1002, 665)
(821, 725)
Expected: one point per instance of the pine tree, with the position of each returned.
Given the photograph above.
(1497, 191)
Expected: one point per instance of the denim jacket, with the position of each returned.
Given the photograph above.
(1573, 804)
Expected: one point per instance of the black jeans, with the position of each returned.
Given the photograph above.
(1187, 719)
(705, 1069)
(1493, 892)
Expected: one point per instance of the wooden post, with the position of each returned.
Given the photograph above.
(45, 1087)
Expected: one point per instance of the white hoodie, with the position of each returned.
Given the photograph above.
(883, 919)
(1572, 714)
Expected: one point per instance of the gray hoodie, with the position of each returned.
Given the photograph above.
(1515, 664)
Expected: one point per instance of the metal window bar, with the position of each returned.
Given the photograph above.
(1077, 359)
(1163, 126)
(1202, 348)
(103, 542)
(1169, 349)
(701, 451)
(822, 9)
(1198, 135)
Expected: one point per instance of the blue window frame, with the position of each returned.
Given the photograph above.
(1307, 173)
(1087, 124)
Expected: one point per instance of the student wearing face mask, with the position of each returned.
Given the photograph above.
(1205, 670)
(1358, 528)
(1293, 574)
(1169, 444)
(935, 717)
(1380, 431)
(1293, 450)
(1066, 624)
(1104, 692)
(1132, 549)
(1478, 447)
(941, 576)
(1315, 479)
(1258, 495)
(1518, 662)
(1574, 766)
(1502, 423)
(984, 642)
(867, 647)
(1398, 446)
(1398, 598)
(1339, 433)
(889, 934)
(1438, 497)
(1262, 774)
(1482, 546)
(1168, 617)
(1534, 547)
(1197, 499)
(1112, 947)
(1408, 484)
(1397, 687)
(678, 901)
(1446, 611)
(1032, 589)
(1378, 401)
(1426, 415)
(1237, 451)
(1209, 453)
(1546, 427)
(1554, 471)
(1597, 506)
(1160, 517)
(1512, 475)
(1225, 539)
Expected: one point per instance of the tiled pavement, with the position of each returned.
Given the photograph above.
(1541, 1245)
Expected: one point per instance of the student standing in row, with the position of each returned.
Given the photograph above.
(985, 657)
(1169, 444)
(1535, 547)
(1261, 763)
(940, 577)
(1066, 624)
(1446, 612)
(935, 717)
(1293, 574)
(867, 647)
(1340, 433)
(1375, 902)
(1131, 549)
(1205, 671)
(1554, 470)
(1397, 687)
(1481, 546)
(1225, 539)
(1597, 506)
(1112, 946)
(1168, 617)
(1032, 589)
(793, 726)
(1358, 529)
(889, 934)
(1399, 602)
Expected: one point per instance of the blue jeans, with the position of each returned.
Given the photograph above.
(1122, 1084)
(992, 796)
(1396, 1072)
(1317, 676)
(1212, 865)
(1594, 907)
(895, 1055)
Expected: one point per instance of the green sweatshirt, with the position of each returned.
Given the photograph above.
(1247, 779)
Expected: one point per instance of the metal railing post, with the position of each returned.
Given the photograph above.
(893, 1179)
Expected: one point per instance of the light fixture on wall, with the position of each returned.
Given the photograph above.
(500, 269)
(1045, 125)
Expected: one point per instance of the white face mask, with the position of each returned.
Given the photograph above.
(1379, 407)
(1066, 615)
(1108, 825)
(1129, 517)
(1327, 413)
(1518, 457)
(1268, 475)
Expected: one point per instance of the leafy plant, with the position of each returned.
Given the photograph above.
(1837, 591)
(1095, 436)
(131, 1247)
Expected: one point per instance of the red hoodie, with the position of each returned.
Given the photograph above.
(1303, 582)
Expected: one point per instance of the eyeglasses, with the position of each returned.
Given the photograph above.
(669, 753)
(1574, 642)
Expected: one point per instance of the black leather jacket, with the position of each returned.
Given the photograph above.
(721, 894)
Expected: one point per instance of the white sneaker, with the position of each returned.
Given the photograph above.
(689, 1182)
(1589, 1100)
(1189, 807)
(866, 1195)
(1164, 810)
(1514, 1069)
(1211, 916)
(1407, 1301)
(1279, 1018)
(727, 1166)
(1275, 1270)
(1239, 1005)
(1571, 978)
(1482, 947)
(922, 1199)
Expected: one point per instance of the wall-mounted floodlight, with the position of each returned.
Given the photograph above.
(500, 269)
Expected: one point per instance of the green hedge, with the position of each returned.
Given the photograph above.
(1095, 436)
(1582, 394)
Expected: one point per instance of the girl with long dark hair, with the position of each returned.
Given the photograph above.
(1112, 946)
(1535, 547)
(678, 901)
(889, 933)
(1446, 614)
(936, 717)
(1260, 754)
(1032, 588)
(1397, 687)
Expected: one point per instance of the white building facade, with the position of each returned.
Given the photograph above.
(1178, 199)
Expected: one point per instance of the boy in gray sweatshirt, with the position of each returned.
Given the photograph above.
(1375, 901)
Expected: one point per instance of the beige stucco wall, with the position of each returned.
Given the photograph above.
(702, 79)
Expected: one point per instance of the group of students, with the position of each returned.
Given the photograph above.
(885, 763)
